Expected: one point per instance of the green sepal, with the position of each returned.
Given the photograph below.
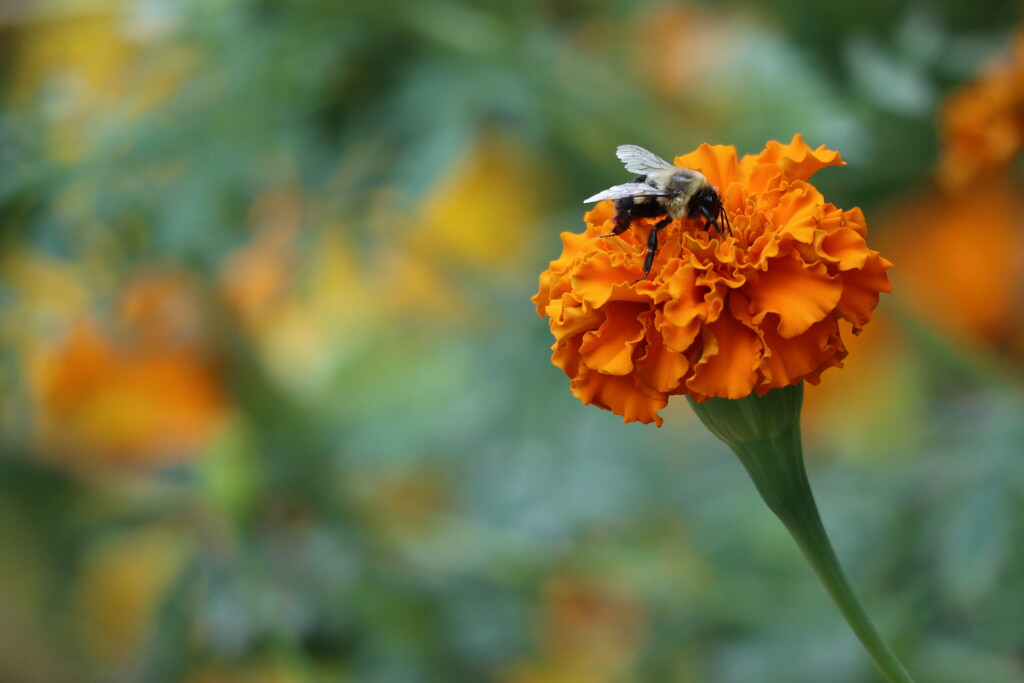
(744, 421)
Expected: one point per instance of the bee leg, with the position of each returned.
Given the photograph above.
(652, 246)
(710, 220)
(624, 217)
(624, 210)
(721, 221)
(622, 221)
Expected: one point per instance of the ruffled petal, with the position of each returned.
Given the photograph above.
(798, 213)
(620, 394)
(798, 293)
(597, 217)
(570, 317)
(861, 289)
(566, 355)
(600, 277)
(658, 367)
(797, 160)
(726, 368)
(788, 360)
(550, 279)
(845, 248)
(609, 349)
(680, 319)
(717, 162)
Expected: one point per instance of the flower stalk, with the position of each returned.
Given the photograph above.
(764, 432)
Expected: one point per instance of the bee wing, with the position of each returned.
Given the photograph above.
(639, 160)
(627, 190)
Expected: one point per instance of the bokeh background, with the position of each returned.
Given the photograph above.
(276, 405)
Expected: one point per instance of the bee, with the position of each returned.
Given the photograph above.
(661, 190)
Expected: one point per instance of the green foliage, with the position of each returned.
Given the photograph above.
(403, 488)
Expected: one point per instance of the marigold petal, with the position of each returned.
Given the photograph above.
(854, 219)
(797, 160)
(609, 349)
(861, 289)
(566, 355)
(727, 365)
(764, 181)
(844, 247)
(599, 215)
(542, 298)
(788, 360)
(620, 394)
(836, 218)
(765, 247)
(571, 244)
(550, 279)
(798, 213)
(677, 337)
(658, 367)
(679, 320)
(570, 317)
(800, 294)
(600, 277)
(717, 162)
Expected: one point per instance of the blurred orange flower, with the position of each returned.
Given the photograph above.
(983, 122)
(719, 316)
(255, 278)
(677, 45)
(971, 290)
(144, 393)
(591, 631)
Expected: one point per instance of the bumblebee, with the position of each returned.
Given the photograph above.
(661, 190)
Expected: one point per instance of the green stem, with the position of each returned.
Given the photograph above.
(765, 433)
(786, 491)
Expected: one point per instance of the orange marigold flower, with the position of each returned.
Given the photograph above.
(983, 122)
(757, 309)
(140, 388)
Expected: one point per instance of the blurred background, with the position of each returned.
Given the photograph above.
(276, 405)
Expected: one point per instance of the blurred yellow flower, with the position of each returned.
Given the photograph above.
(124, 581)
(48, 292)
(304, 323)
(460, 224)
(310, 308)
(78, 59)
(83, 48)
